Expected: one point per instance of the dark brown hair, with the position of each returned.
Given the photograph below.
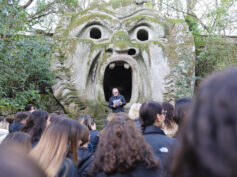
(182, 107)
(122, 147)
(169, 117)
(208, 141)
(148, 113)
(21, 116)
(19, 139)
(15, 163)
(84, 135)
(86, 120)
(36, 124)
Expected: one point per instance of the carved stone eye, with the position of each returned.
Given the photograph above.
(95, 33)
(142, 35)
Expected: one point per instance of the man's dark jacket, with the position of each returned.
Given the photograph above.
(117, 108)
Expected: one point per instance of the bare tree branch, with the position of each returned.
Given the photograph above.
(193, 15)
(27, 4)
(42, 15)
(40, 11)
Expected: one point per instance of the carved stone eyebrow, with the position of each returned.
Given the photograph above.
(137, 21)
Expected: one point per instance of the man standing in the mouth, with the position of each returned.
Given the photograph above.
(117, 101)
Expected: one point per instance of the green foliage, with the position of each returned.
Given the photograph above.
(213, 51)
(24, 70)
(24, 59)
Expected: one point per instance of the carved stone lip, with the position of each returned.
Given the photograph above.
(135, 79)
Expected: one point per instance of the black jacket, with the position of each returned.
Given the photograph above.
(68, 169)
(139, 171)
(15, 126)
(85, 159)
(162, 145)
(117, 108)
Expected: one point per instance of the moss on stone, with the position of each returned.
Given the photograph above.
(120, 3)
(174, 21)
(145, 18)
(80, 20)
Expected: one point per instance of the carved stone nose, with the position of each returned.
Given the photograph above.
(132, 51)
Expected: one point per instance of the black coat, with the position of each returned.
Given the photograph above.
(68, 169)
(85, 159)
(139, 171)
(161, 144)
(117, 108)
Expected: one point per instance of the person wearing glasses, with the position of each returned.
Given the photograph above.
(152, 117)
(117, 101)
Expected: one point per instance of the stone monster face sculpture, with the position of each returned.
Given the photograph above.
(134, 50)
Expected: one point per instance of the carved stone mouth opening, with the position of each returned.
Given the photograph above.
(118, 74)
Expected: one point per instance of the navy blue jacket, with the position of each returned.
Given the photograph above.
(15, 126)
(94, 140)
(117, 108)
(67, 169)
(85, 159)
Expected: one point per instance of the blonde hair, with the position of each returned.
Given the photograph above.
(110, 116)
(134, 111)
(53, 147)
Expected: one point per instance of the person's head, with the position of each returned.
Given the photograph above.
(29, 108)
(86, 120)
(36, 124)
(59, 139)
(134, 111)
(115, 92)
(21, 117)
(151, 113)
(15, 163)
(18, 139)
(84, 136)
(181, 110)
(169, 117)
(110, 116)
(208, 141)
(122, 147)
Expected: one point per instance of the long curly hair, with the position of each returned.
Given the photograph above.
(208, 141)
(122, 147)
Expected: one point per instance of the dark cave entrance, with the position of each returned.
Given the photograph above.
(118, 76)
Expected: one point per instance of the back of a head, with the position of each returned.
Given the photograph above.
(208, 141)
(55, 138)
(134, 111)
(148, 112)
(21, 116)
(169, 117)
(85, 119)
(182, 107)
(15, 163)
(36, 124)
(29, 108)
(122, 147)
(18, 139)
(60, 138)
(84, 135)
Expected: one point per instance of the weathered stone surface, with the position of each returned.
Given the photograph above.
(127, 46)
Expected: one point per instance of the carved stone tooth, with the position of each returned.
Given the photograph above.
(111, 66)
(126, 66)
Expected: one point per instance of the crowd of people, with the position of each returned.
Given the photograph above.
(194, 138)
